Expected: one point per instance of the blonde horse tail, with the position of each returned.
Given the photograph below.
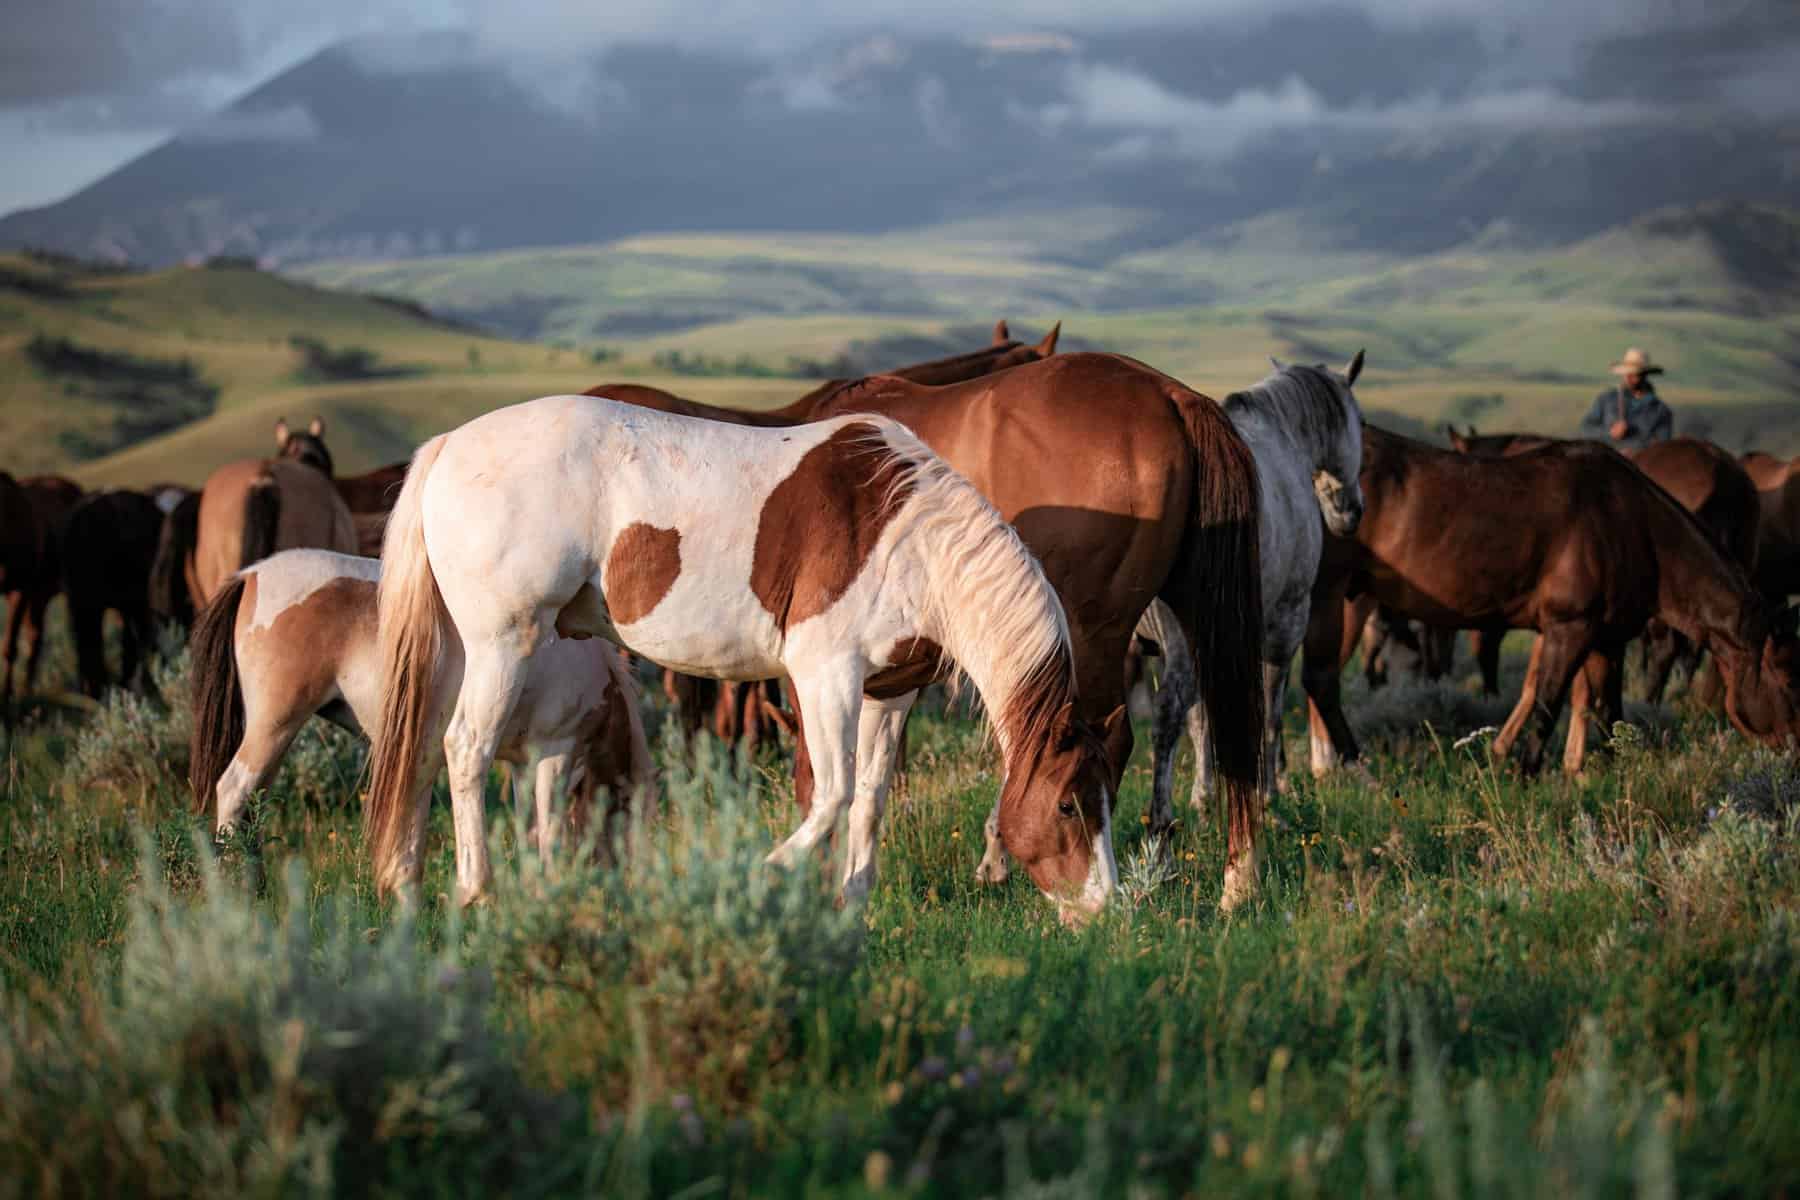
(218, 692)
(1217, 594)
(413, 625)
(262, 519)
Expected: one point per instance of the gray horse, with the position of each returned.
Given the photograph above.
(1305, 429)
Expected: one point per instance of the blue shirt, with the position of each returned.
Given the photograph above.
(1647, 418)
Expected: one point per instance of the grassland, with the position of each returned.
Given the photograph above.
(1456, 983)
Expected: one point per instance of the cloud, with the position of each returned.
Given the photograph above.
(1113, 98)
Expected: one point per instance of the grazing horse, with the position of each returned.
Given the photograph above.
(370, 498)
(52, 498)
(251, 508)
(1703, 479)
(739, 709)
(1569, 540)
(1778, 533)
(1305, 429)
(1127, 486)
(295, 636)
(108, 549)
(827, 553)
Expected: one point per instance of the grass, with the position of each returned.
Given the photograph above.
(1455, 983)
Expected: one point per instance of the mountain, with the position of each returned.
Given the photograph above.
(420, 145)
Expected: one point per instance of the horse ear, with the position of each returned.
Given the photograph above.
(281, 433)
(1002, 334)
(1277, 363)
(1353, 370)
(1047, 347)
(317, 428)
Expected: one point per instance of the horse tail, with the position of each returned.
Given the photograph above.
(1218, 593)
(169, 594)
(262, 518)
(413, 627)
(218, 692)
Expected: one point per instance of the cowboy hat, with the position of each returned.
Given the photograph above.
(1635, 362)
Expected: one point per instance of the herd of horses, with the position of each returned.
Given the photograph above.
(1014, 519)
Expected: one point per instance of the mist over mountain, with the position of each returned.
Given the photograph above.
(1409, 138)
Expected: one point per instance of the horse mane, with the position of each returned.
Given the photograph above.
(986, 598)
(1308, 398)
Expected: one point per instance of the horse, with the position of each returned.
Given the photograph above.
(108, 549)
(1778, 533)
(1703, 479)
(738, 709)
(253, 507)
(51, 498)
(1569, 539)
(1127, 485)
(370, 497)
(174, 592)
(295, 636)
(828, 553)
(1305, 429)
(21, 547)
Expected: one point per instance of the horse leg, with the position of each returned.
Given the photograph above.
(1200, 738)
(552, 771)
(832, 697)
(15, 618)
(1662, 647)
(1175, 707)
(879, 727)
(35, 619)
(1373, 646)
(1275, 696)
(1595, 701)
(1559, 652)
(88, 625)
(1485, 644)
(492, 680)
(1321, 669)
(265, 744)
(135, 632)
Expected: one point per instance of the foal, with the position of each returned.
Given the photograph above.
(823, 552)
(295, 635)
(1305, 429)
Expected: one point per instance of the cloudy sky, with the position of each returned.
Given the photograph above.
(85, 85)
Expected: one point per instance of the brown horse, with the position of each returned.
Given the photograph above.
(51, 498)
(749, 712)
(108, 550)
(21, 549)
(1127, 486)
(1568, 539)
(173, 589)
(1778, 536)
(1703, 479)
(370, 498)
(251, 508)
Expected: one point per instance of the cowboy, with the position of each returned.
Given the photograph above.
(1630, 415)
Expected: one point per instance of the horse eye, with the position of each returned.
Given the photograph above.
(1066, 808)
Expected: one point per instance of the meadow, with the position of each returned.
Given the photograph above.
(1456, 983)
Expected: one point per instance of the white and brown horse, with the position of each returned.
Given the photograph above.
(294, 636)
(823, 552)
(251, 508)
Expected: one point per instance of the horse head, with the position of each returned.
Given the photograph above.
(1056, 811)
(1337, 444)
(307, 447)
(1762, 690)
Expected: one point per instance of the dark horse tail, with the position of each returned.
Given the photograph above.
(169, 595)
(218, 692)
(262, 515)
(1216, 590)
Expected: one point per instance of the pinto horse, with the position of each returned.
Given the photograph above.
(294, 636)
(1305, 429)
(51, 498)
(1570, 540)
(1703, 479)
(253, 507)
(1127, 486)
(828, 553)
(108, 550)
(739, 710)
